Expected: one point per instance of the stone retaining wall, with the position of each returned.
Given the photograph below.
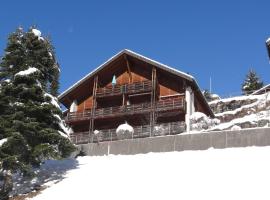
(199, 141)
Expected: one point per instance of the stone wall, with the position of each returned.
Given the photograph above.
(199, 141)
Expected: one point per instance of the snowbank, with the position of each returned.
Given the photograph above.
(199, 121)
(51, 171)
(239, 173)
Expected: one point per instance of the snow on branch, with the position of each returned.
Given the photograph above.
(3, 141)
(27, 72)
(37, 33)
(53, 100)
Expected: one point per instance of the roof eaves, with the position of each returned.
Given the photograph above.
(158, 64)
(90, 74)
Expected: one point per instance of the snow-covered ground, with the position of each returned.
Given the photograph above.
(239, 173)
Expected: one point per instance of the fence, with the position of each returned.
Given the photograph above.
(172, 128)
(164, 105)
(125, 89)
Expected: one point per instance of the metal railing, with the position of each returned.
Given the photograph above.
(143, 86)
(165, 105)
(163, 129)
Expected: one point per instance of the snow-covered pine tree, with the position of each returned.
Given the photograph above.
(32, 128)
(251, 83)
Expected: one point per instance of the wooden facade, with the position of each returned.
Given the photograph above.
(146, 93)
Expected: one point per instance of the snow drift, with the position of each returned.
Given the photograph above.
(240, 173)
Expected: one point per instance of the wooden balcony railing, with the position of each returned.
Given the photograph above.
(172, 128)
(144, 86)
(165, 105)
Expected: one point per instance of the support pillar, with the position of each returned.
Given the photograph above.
(190, 109)
(73, 106)
(153, 101)
(91, 121)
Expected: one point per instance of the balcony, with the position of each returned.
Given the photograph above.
(160, 106)
(172, 128)
(145, 86)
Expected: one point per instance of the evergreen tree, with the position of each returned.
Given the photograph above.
(30, 117)
(251, 83)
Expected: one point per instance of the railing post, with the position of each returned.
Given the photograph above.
(111, 134)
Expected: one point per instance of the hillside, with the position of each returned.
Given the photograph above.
(240, 173)
(242, 112)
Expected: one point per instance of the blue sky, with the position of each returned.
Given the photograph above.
(217, 39)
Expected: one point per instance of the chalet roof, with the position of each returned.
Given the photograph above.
(133, 54)
(139, 57)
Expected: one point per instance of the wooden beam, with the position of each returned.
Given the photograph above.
(128, 68)
(153, 101)
(123, 100)
(91, 121)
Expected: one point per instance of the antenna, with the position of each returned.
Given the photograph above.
(210, 85)
(267, 42)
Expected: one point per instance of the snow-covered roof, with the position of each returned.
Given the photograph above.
(133, 54)
(261, 90)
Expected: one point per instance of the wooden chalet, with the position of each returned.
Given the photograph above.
(132, 88)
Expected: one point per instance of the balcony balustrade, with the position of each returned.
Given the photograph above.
(172, 128)
(144, 86)
(160, 106)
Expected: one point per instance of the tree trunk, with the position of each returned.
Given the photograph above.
(7, 185)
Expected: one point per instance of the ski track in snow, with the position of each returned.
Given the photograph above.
(239, 173)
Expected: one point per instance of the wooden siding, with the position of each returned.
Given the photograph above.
(86, 104)
(164, 91)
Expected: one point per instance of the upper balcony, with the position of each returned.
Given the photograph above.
(160, 106)
(137, 87)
